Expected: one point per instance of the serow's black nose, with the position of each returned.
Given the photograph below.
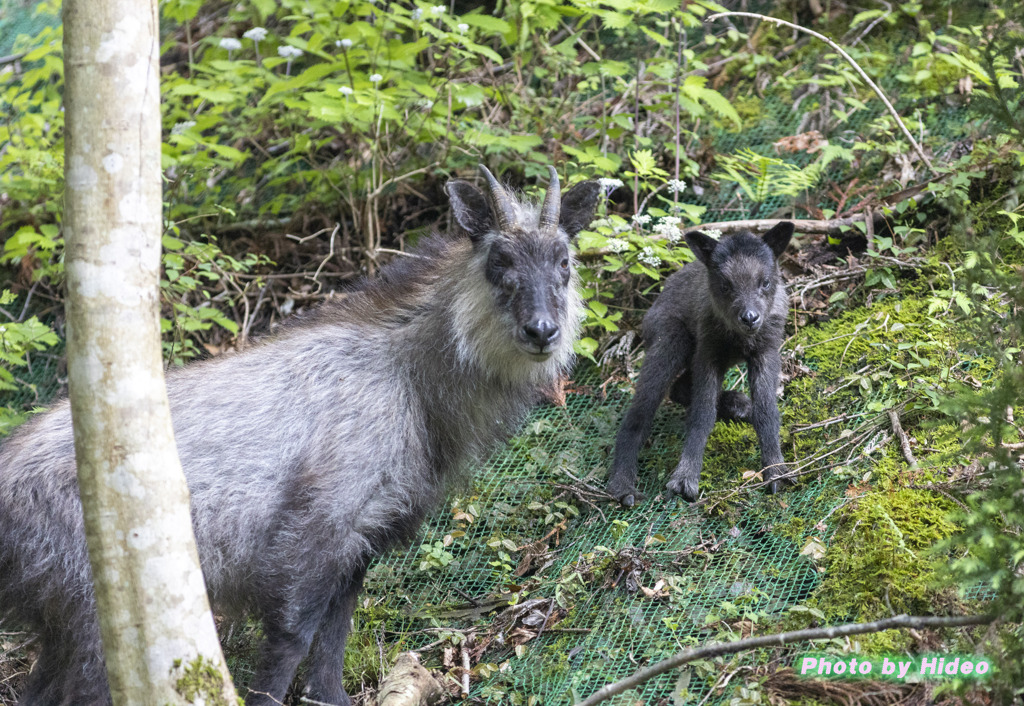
(541, 332)
(750, 317)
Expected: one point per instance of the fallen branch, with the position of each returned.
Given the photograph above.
(833, 226)
(408, 684)
(465, 673)
(717, 649)
(849, 59)
(901, 435)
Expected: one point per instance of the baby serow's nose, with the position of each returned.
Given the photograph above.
(750, 317)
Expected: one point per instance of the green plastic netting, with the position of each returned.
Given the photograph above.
(21, 18)
(613, 625)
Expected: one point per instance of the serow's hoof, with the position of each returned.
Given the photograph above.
(685, 488)
(776, 483)
(628, 496)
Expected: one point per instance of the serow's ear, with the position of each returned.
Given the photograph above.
(778, 238)
(470, 208)
(702, 245)
(578, 206)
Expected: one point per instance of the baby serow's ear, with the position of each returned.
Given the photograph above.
(778, 238)
(702, 245)
(470, 207)
(578, 207)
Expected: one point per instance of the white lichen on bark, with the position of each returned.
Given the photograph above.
(154, 612)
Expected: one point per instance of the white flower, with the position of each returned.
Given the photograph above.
(609, 184)
(427, 103)
(641, 219)
(676, 186)
(462, 27)
(346, 90)
(376, 78)
(287, 51)
(648, 257)
(668, 228)
(417, 13)
(230, 43)
(256, 34)
(617, 245)
(713, 232)
(181, 127)
(344, 43)
(438, 9)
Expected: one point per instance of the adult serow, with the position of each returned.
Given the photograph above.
(728, 305)
(314, 451)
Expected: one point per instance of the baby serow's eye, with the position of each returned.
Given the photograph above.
(766, 283)
(564, 264)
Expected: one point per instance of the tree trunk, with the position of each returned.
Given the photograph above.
(159, 640)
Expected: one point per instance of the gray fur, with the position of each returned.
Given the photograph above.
(728, 306)
(312, 452)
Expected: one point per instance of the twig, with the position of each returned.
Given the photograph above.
(827, 422)
(832, 226)
(324, 261)
(551, 607)
(401, 177)
(717, 649)
(901, 435)
(867, 79)
(468, 597)
(465, 672)
(403, 253)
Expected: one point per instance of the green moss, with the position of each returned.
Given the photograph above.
(880, 560)
(794, 529)
(363, 658)
(202, 681)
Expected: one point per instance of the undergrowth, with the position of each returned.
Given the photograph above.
(287, 177)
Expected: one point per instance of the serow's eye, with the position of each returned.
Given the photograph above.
(501, 261)
(766, 283)
(564, 264)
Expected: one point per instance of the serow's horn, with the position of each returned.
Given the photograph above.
(549, 212)
(501, 202)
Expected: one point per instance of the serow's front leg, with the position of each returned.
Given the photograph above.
(290, 622)
(764, 372)
(662, 364)
(327, 657)
(700, 420)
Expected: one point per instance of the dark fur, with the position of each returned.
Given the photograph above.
(693, 334)
(312, 452)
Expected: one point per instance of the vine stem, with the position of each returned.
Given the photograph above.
(716, 649)
(874, 87)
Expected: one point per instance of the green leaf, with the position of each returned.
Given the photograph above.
(488, 23)
(586, 347)
(309, 77)
(718, 103)
(643, 162)
(660, 39)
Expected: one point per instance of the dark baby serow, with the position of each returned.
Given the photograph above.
(312, 452)
(727, 306)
